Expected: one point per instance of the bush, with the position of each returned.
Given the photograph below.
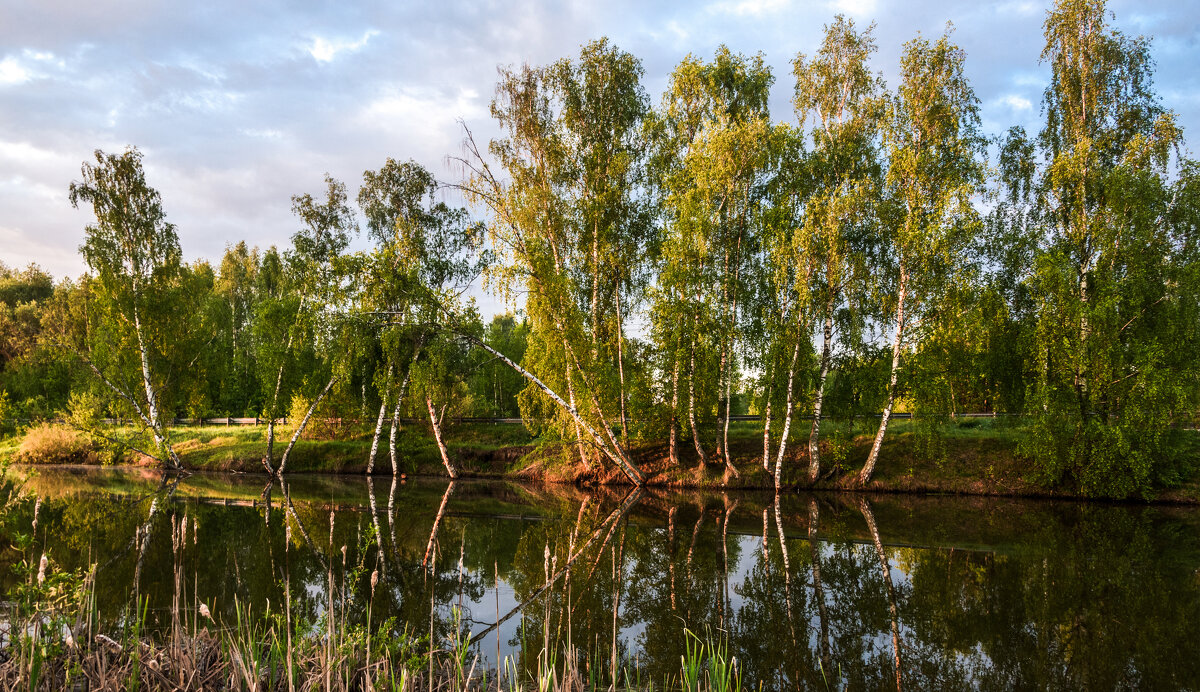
(327, 422)
(52, 444)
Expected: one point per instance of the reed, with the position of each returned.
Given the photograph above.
(50, 639)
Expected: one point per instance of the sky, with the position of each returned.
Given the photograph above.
(237, 106)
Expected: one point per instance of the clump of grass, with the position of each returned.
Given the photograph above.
(55, 444)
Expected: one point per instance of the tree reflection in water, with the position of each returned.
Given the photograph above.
(807, 591)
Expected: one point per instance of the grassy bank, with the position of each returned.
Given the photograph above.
(977, 456)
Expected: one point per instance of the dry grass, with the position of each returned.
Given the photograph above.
(55, 444)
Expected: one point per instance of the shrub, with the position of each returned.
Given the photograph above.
(52, 444)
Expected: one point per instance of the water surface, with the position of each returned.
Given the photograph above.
(813, 591)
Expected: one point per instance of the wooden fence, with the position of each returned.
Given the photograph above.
(230, 422)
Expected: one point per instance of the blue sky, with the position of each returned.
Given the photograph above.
(239, 105)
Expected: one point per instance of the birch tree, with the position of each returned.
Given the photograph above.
(315, 266)
(536, 232)
(934, 153)
(842, 99)
(134, 254)
(1112, 281)
(712, 137)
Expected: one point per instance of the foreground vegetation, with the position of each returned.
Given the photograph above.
(57, 640)
(985, 592)
(859, 261)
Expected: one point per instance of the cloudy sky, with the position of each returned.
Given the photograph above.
(239, 105)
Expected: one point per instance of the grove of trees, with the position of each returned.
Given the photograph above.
(679, 262)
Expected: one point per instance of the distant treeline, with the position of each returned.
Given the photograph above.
(682, 263)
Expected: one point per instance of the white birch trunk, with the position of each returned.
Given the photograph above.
(692, 405)
(436, 424)
(814, 435)
(869, 468)
(396, 411)
(379, 423)
(303, 424)
(787, 416)
(627, 468)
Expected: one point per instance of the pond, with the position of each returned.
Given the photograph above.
(813, 591)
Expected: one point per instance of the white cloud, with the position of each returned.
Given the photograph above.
(268, 133)
(754, 8)
(1023, 8)
(24, 154)
(12, 72)
(1015, 102)
(325, 50)
(421, 110)
(856, 8)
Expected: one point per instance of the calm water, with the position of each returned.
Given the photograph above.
(814, 591)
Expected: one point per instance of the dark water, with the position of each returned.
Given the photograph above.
(815, 591)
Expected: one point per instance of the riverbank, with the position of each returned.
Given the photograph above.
(971, 457)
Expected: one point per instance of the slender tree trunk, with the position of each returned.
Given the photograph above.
(869, 467)
(379, 423)
(435, 423)
(1081, 384)
(274, 413)
(399, 402)
(865, 508)
(583, 457)
(814, 434)
(692, 405)
(787, 415)
(626, 467)
(621, 367)
(737, 272)
(674, 434)
(303, 424)
(768, 385)
(156, 424)
(721, 373)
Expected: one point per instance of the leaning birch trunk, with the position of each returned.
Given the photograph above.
(303, 424)
(437, 435)
(814, 435)
(865, 508)
(869, 467)
(692, 405)
(156, 426)
(626, 467)
(275, 399)
(396, 411)
(787, 417)
(379, 423)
